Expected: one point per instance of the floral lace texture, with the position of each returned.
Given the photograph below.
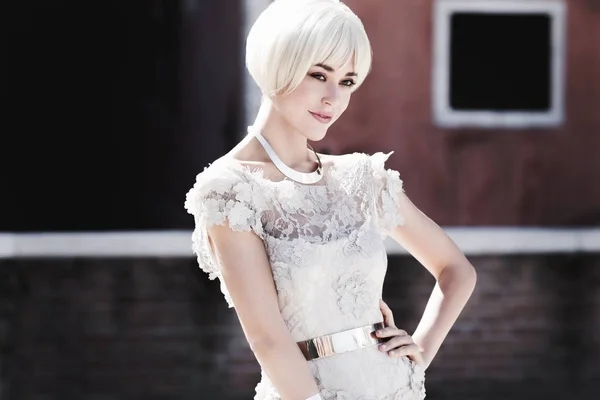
(325, 246)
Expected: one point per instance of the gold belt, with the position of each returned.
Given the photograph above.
(340, 342)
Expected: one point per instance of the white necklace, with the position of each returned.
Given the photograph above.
(306, 178)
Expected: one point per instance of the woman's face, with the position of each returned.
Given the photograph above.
(319, 100)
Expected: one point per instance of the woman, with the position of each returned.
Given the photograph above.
(296, 237)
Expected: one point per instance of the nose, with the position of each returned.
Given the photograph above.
(332, 94)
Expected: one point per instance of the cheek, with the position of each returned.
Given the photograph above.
(290, 104)
(307, 92)
(301, 97)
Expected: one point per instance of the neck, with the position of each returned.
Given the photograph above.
(289, 143)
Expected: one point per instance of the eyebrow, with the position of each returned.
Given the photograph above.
(330, 69)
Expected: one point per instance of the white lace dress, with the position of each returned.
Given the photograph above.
(325, 245)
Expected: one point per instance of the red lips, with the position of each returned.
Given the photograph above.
(324, 118)
(321, 114)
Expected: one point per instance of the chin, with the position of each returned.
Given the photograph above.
(316, 136)
(316, 132)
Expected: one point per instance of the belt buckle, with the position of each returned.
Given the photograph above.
(340, 342)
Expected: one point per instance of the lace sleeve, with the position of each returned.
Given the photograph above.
(216, 198)
(388, 189)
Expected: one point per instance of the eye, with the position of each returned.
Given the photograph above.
(348, 83)
(319, 76)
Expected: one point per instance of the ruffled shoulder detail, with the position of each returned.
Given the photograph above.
(388, 188)
(222, 195)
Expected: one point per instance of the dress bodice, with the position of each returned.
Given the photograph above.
(325, 242)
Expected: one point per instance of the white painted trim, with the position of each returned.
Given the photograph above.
(8, 247)
(96, 244)
(490, 241)
(445, 116)
(473, 241)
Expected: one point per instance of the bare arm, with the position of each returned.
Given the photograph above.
(454, 274)
(247, 275)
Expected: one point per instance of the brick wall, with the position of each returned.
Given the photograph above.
(108, 329)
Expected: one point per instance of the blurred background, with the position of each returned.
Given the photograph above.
(492, 109)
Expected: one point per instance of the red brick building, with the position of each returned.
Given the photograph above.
(477, 176)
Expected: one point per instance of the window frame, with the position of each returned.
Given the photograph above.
(446, 117)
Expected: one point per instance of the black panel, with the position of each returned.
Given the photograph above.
(114, 107)
(500, 62)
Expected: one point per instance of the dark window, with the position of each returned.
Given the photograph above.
(500, 62)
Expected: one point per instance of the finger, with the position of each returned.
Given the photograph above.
(388, 316)
(390, 331)
(410, 350)
(395, 343)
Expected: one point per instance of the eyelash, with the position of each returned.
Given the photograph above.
(349, 82)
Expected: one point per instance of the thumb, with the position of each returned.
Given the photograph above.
(388, 316)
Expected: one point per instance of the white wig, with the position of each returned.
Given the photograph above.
(291, 36)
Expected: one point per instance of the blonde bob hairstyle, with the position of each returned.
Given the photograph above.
(291, 36)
